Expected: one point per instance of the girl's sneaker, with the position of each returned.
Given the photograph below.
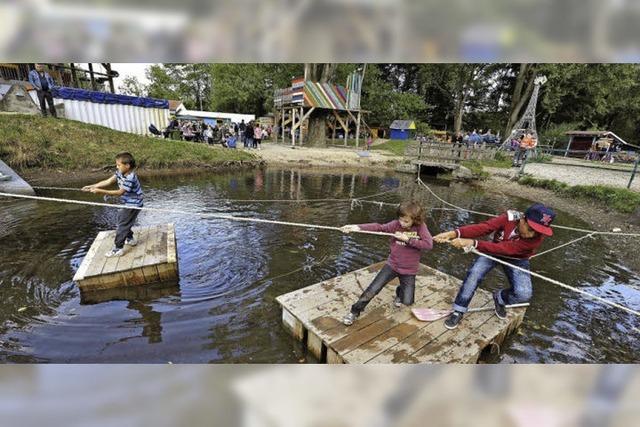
(131, 242)
(397, 302)
(349, 319)
(115, 252)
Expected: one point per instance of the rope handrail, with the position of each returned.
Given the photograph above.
(181, 212)
(555, 282)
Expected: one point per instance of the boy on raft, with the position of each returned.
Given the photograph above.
(516, 237)
(130, 192)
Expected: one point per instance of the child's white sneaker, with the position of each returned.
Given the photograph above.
(397, 302)
(115, 252)
(349, 319)
(131, 242)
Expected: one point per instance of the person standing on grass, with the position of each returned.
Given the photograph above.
(43, 83)
(131, 195)
(516, 237)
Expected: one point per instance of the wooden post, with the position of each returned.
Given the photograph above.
(346, 134)
(107, 67)
(283, 123)
(635, 169)
(302, 118)
(358, 130)
(74, 76)
(293, 127)
(333, 134)
(92, 77)
(568, 146)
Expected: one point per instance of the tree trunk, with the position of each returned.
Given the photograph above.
(322, 73)
(317, 134)
(520, 96)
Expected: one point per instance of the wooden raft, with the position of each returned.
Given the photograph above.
(386, 334)
(153, 260)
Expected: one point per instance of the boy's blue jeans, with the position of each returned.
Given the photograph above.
(520, 283)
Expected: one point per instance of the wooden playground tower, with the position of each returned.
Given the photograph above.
(294, 105)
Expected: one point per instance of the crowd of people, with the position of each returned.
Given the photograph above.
(250, 135)
(471, 139)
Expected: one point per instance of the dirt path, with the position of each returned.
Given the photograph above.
(278, 154)
(574, 174)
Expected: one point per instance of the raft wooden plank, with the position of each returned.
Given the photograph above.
(139, 265)
(143, 237)
(385, 333)
(403, 352)
(333, 331)
(172, 255)
(401, 330)
(89, 258)
(97, 263)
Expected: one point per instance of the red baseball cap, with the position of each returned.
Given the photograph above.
(539, 217)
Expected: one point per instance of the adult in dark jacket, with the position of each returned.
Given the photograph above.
(43, 83)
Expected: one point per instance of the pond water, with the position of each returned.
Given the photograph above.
(223, 310)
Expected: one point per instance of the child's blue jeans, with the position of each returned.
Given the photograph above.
(520, 283)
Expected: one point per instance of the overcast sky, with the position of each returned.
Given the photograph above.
(125, 69)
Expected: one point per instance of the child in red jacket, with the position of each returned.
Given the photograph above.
(516, 237)
(411, 236)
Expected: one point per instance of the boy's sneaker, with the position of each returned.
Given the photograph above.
(397, 302)
(115, 252)
(349, 319)
(131, 242)
(501, 310)
(453, 320)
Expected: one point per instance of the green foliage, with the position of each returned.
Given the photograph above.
(189, 83)
(132, 86)
(249, 88)
(423, 128)
(34, 142)
(394, 146)
(620, 199)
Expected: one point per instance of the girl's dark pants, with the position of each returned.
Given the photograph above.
(126, 219)
(405, 291)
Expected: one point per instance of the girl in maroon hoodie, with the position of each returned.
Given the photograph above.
(411, 236)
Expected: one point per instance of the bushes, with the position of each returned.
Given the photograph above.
(620, 199)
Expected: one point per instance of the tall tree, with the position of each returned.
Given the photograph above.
(132, 86)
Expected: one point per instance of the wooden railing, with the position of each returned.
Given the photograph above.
(449, 153)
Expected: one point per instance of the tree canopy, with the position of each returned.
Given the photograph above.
(444, 96)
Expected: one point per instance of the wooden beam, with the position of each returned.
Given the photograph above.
(358, 130)
(340, 121)
(74, 75)
(305, 117)
(293, 127)
(92, 76)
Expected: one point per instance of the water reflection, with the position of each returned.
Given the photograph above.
(223, 309)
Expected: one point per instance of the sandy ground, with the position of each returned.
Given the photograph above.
(573, 174)
(278, 154)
